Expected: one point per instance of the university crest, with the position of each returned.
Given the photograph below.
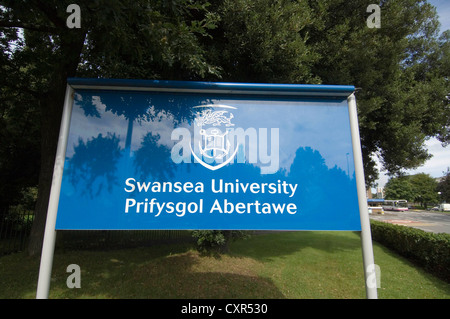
(213, 123)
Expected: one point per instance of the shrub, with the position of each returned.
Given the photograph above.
(216, 240)
(429, 250)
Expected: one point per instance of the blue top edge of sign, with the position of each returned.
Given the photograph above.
(216, 87)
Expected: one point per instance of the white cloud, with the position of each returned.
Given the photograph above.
(434, 166)
(438, 163)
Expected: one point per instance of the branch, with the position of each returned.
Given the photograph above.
(51, 13)
(28, 26)
(22, 88)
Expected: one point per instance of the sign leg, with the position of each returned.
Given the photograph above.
(48, 245)
(366, 236)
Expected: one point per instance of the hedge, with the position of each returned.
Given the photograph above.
(429, 250)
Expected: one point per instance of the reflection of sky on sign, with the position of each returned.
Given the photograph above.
(87, 127)
(163, 127)
(314, 140)
(322, 125)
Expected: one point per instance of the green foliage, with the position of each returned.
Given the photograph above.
(444, 188)
(216, 240)
(399, 70)
(117, 39)
(208, 239)
(399, 188)
(132, 39)
(402, 68)
(19, 135)
(420, 188)
(425, 189)
(429, 250)
(263, 41)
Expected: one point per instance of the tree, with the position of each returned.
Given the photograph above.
(444, 187)
(401, 68)
(19, 143)
(399, 188)
(425, 189)
(121, 38)
(263, 41)
(420, 188)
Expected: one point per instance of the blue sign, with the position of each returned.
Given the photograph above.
(191, 155)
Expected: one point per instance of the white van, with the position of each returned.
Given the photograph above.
(444, 208)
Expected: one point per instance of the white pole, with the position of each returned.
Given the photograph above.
(366, 237)
(48, 246)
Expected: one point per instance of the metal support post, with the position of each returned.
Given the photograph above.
(48, 246)
(366, 237)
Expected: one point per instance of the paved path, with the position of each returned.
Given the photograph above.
(435, 222)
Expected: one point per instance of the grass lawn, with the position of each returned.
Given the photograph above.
(278, 265)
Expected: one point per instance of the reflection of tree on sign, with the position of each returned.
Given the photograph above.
(139, 108)
(94, 164)
(153, 160)
(132, 107)
(320, 186)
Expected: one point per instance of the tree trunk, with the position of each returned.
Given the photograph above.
(51, 107)
(51, 120)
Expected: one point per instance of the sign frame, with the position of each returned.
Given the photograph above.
(291, 90)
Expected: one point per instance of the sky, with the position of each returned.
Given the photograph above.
(441, 155)
(443, 10)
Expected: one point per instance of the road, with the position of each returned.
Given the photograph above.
(435, 222)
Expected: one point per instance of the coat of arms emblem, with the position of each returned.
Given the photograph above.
(214, 145)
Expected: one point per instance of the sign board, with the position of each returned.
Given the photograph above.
(181, 159)
(135, 154)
